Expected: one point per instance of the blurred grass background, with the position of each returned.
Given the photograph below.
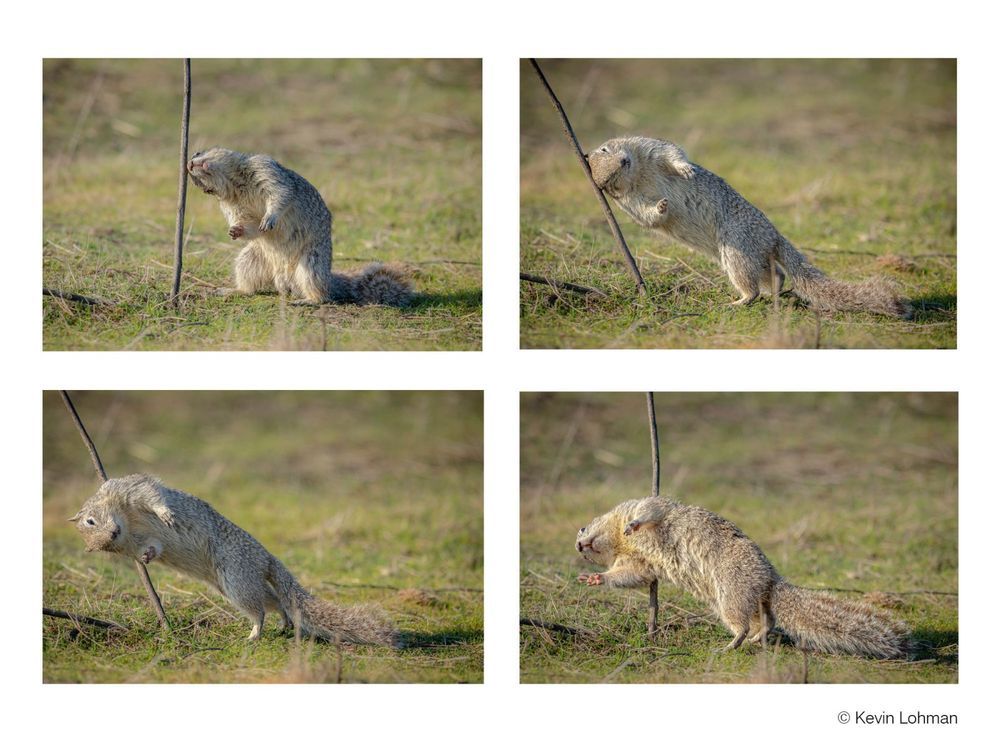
(394, 147)
(851, 491)
(365, 496)
(853, 160)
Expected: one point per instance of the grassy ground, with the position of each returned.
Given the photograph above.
(366, 497)
(854, 161)
(393, 146)
(843, 491)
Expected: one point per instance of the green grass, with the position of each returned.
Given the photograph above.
(853, 160)
(366, 497)
(844, 491)
(393, 146)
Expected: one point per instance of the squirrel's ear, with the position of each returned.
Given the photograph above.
(75, 518)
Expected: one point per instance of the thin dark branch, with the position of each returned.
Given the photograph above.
(553, 626)
(653, 608)
(182, 186)
(77, 619)
(578, 288)
(154, 598)
(91, 448)
(74, 297)
(654, 440)
(612, 222)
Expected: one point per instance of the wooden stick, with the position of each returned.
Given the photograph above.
(154, 598)
(81, 618)
(612, 222)
(578, 288)
(91, 448)
(553, 626)
(182, 186)
(74, 297)
(654, 439)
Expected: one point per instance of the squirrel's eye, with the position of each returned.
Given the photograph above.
(583, 529)
(90, 521)
(604, 149)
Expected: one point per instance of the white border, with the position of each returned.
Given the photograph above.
(501, 711)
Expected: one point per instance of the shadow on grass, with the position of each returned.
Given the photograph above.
(468, 301)
(456, 637)
(929, 308)
(928, 644)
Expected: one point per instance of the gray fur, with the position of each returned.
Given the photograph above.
(709, 557)
(654, 182)
(287, 224)
(137, 516)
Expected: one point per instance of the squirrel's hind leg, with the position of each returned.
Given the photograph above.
(735, 617)
(253, 271)
(310, 279)
(273, 605)
(258, 625)
(760, 628)
(737, 640)
(742, 274)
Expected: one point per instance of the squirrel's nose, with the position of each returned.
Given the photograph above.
(579, 546)
(115, 533)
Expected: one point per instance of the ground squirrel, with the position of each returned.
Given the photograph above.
(706, 555)
(137, 516)
(288, 227)
(657, 186)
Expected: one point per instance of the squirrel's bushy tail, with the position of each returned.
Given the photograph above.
(375, 284)
(877, 295)
(818, 621)
(362, 624)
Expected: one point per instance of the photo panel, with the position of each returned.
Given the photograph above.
(292, 536)
(761, 203)
(350, 193)
(796, 537)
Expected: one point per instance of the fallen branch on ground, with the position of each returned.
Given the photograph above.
(554, 626)
(77, 619)
(74, 297)
(578, 288)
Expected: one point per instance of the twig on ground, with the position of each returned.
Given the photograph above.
(554, 627)
(74, 297)
(77, 619)
(569, 287)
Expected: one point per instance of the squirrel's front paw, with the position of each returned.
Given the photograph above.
(268, 223)
(661, 206)
(235, 232)
(592, 579)
(148, 556)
